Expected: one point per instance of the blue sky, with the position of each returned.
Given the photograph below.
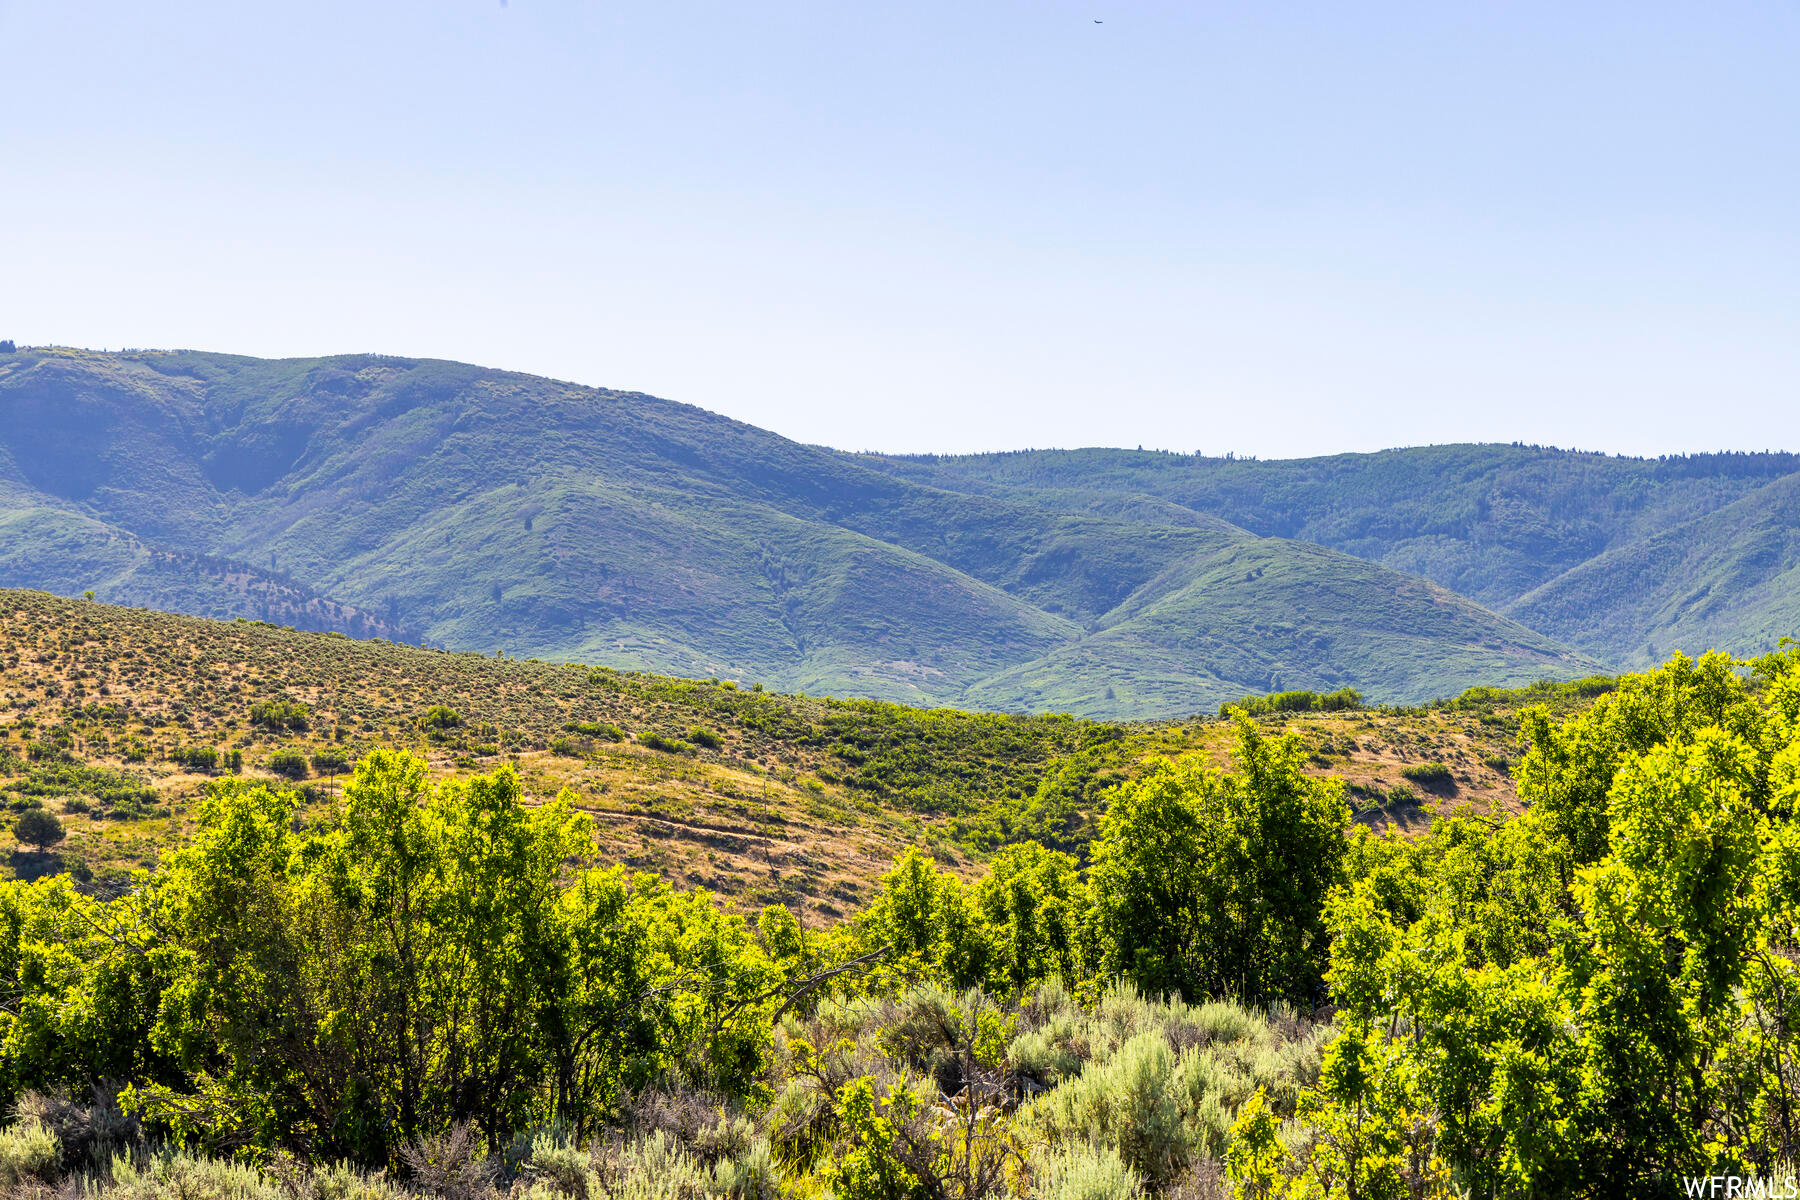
(1275, 229)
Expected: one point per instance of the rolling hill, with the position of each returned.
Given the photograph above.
(485, 510)
(116, 719)
(1491, 522)
(1729, 578)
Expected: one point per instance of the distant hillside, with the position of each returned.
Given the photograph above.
(1281, 615)
(1730, 578)
(1620, 557)
(68, 553)
(486, 510)
(1491, 522)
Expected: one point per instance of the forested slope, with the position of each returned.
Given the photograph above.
(485, 510)
(1731, 577)
(1491, 522)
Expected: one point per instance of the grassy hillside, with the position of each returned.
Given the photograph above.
(69, 553)
(484, 510)
(1491, 522)
(1729, 578)
(446, 987)
(109, 716)
(1282, 615)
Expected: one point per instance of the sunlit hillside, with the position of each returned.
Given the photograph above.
(115, 719)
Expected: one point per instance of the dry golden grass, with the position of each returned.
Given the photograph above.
(803, 801)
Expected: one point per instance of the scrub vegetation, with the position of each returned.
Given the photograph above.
(424, 968)
(117, 719)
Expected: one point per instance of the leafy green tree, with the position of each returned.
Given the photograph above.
(1210, 884)
(38, 827)
(80, 982)
(1032, 902)
(435, 955)
(277, 715)
(925, 920)
(440, 716)
(1592, 999)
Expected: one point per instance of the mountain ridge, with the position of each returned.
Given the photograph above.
(486, 509)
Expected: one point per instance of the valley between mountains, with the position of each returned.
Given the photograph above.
(481, 510)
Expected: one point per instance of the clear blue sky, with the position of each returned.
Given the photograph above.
(1273, 228)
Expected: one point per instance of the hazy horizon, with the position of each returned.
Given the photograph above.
(969, 453)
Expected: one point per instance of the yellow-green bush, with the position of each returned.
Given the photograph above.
(28, 1152)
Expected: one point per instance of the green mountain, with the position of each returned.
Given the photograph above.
(1492, 522)
(1729, 578)
(1273, 615)
(480, 509)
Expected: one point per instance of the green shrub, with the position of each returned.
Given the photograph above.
(277, 715)
(112, 789)
(440, 717)
(1124, 1099)
(596, 729)
(1040, 1055)
(330, 762)
(1127, 1104)
(552, 1157)
(291, 763)
(179, 1173)
(196, 758)
(1084, 1173)
(702, 736)
(90, 1132)
(1429, 775)
(657, 1167)
(666, 745)
(38, 827)
(1559, 695)
(451, 1164)
(28, 1153)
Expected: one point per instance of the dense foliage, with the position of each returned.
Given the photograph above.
(438, 986)
(1301, 700)
(1596, 998)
